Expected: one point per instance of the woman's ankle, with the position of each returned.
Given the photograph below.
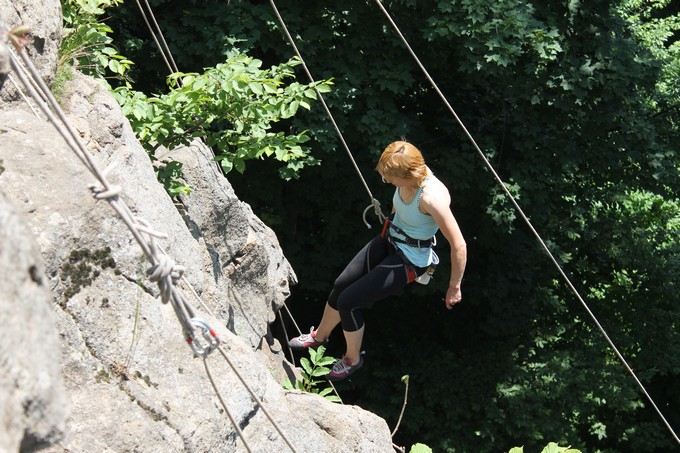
(318, 337)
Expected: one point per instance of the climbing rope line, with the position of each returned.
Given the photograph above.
(527, 221)
(375, 204)
(254, 397)
(164, 49)
(23, 95)
(292, 319)
(163, 271)
(225, 407)
(285, 333)
(160, 33)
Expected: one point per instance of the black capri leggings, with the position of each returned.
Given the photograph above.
(376, 272)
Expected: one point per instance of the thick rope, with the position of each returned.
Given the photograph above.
(528, 222)
(374, 202)
(285, 335)
(160, 34)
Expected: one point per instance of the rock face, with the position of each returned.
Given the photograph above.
(93, 360)
(44, 20)
(32, 397)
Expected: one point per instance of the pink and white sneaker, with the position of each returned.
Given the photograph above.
(343, 368)
(306, 340)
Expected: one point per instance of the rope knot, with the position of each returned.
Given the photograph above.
(376, 208)
(102, 193)
(167, 274)
(102, 190)
(375, 204)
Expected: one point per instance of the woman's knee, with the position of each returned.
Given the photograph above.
(352, 321)
(344, 305)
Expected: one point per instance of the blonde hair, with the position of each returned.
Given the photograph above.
(401, 159)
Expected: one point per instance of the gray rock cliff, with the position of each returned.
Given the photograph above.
(94, 361)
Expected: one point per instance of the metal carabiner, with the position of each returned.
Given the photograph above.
(203, 344)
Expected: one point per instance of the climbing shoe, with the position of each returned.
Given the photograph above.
(306, 340)
(343, 368)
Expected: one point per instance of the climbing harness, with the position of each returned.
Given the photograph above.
(526, 220)
(408, 240)
(411, 275)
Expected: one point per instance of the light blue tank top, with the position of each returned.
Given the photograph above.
(417, 225)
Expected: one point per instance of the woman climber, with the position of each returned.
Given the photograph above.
(401, 254)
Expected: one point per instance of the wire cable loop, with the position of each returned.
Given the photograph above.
(167, 274)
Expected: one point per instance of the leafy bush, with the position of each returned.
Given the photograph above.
(232, 107)
(86, 43)
(312, 369)
(420, 448)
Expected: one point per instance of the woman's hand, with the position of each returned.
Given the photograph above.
(453, 296)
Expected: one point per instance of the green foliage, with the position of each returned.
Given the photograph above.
(501, 209)
(232, 107)
(313, 368)
(498, 33)
(552, 447)
(169, 173)
(86, 43)
(420, 448)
